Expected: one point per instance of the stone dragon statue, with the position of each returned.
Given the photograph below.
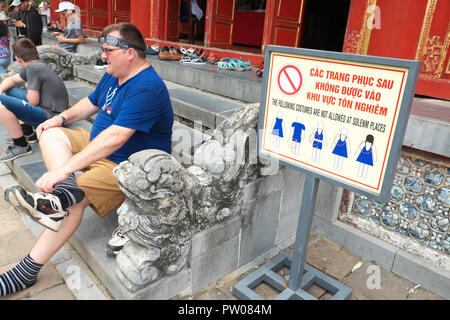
(168, 203)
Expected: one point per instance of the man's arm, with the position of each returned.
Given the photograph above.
(33, 97)
(10, 82)
(107, 142)
(82, 110)
(77, 40)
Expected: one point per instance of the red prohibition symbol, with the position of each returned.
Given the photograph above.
(290, 79)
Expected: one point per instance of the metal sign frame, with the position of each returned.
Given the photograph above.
(302, 275)
(400, 126)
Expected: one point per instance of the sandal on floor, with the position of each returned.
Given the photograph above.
(185, 59)
(260, 70)
(211, 59)
(244, 64)
(197, 61)
(230, 65)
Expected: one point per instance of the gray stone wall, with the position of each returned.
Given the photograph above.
(418, 208)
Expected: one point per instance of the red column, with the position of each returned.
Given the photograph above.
(110, 10)
(209, 19)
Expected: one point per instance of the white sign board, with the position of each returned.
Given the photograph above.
(338, 116)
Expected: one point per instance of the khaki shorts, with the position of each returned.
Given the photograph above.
(97, 181)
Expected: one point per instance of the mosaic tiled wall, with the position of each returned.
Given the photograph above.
(419, 203)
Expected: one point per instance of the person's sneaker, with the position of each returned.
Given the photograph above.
(14, 152)
(31, 138)
(116, 243)
(44, 208)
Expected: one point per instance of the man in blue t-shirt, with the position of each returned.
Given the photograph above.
(134, 113)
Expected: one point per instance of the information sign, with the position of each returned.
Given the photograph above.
(340, 117)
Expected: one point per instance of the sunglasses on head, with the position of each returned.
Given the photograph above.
(114, 41)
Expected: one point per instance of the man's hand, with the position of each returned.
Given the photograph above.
(18, 24)
(56, 121)
(48, 181)
(60, 38)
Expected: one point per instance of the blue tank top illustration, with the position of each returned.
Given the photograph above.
(318, 138)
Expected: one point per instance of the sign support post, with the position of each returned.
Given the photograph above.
(303, 229)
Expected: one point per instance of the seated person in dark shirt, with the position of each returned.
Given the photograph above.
(73, 35)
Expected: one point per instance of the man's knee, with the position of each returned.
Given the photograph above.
(79, 207)
(52, 135)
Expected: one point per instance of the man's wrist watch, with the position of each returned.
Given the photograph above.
(63, 119)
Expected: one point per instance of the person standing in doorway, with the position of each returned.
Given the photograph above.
(44, 10)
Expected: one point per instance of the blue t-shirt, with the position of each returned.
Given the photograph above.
(298, 128)
(141, 103)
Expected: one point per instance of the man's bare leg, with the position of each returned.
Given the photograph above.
(10, 122)
(56, 150)
(49, 242)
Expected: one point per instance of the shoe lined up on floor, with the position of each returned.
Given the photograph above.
(199, 57)
(100, 64)
(234, 64)
(171, 53)
(260, 70)
(116, 243)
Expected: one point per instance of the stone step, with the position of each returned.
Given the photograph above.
(244, 86)
(91, 237)
(29, 168)
(77, 90)
(201, 107)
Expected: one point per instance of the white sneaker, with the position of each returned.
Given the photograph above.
(44, 208)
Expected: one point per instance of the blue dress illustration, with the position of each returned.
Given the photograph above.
(341, 148)
(278, 127)
(367, 156)
(278, 130)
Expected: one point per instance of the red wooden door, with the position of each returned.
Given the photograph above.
(99, 14)
(414, 29)
(283, 22)
(172, 21)
(220, 20)
(121, 11)
(84, 9)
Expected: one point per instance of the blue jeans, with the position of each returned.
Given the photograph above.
(15, 100)
(4, 63)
